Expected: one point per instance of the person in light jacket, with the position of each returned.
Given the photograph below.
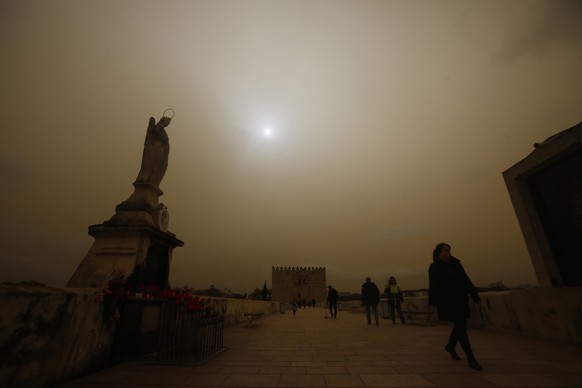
(395, 298)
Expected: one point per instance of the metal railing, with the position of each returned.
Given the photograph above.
(189, 336)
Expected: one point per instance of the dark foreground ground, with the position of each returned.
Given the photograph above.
(310, 351)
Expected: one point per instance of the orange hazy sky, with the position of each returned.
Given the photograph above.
(392, 122)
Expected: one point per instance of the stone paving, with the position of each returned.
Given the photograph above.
(308, 350)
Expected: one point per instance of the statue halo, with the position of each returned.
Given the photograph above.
(170, 111)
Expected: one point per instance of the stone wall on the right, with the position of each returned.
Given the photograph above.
(540, 312)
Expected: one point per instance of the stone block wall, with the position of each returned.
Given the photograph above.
(539, 312)
(50, 335)
(236, 308)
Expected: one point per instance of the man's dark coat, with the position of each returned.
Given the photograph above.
(449, 288)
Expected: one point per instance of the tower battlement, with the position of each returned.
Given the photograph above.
(303, 283)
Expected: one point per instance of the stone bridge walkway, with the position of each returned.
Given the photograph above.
(309, 351)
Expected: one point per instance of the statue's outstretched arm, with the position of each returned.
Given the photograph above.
(163, 123)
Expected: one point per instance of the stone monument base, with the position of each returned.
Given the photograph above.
(135, 242)
(142, 253)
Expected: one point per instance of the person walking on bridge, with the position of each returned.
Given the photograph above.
(395, 298)
(332, 298)
(370, 298)
(449, 290)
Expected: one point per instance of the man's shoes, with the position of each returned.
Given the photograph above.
(452, 352)
(473, 363)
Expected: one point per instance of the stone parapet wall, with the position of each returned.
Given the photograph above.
(50, 335)
(236, 308)
(540, 312)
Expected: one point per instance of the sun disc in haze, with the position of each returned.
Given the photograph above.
(267, 132)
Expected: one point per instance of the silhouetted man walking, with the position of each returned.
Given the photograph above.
(332, 298)
(370, 298)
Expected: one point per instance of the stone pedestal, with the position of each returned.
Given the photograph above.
(135, 242)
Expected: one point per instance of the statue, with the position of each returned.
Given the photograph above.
(142, 207)
(156, 149)
(135, 241)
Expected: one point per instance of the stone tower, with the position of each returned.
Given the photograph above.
(308, 283)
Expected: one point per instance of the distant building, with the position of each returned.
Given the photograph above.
(289, 283)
